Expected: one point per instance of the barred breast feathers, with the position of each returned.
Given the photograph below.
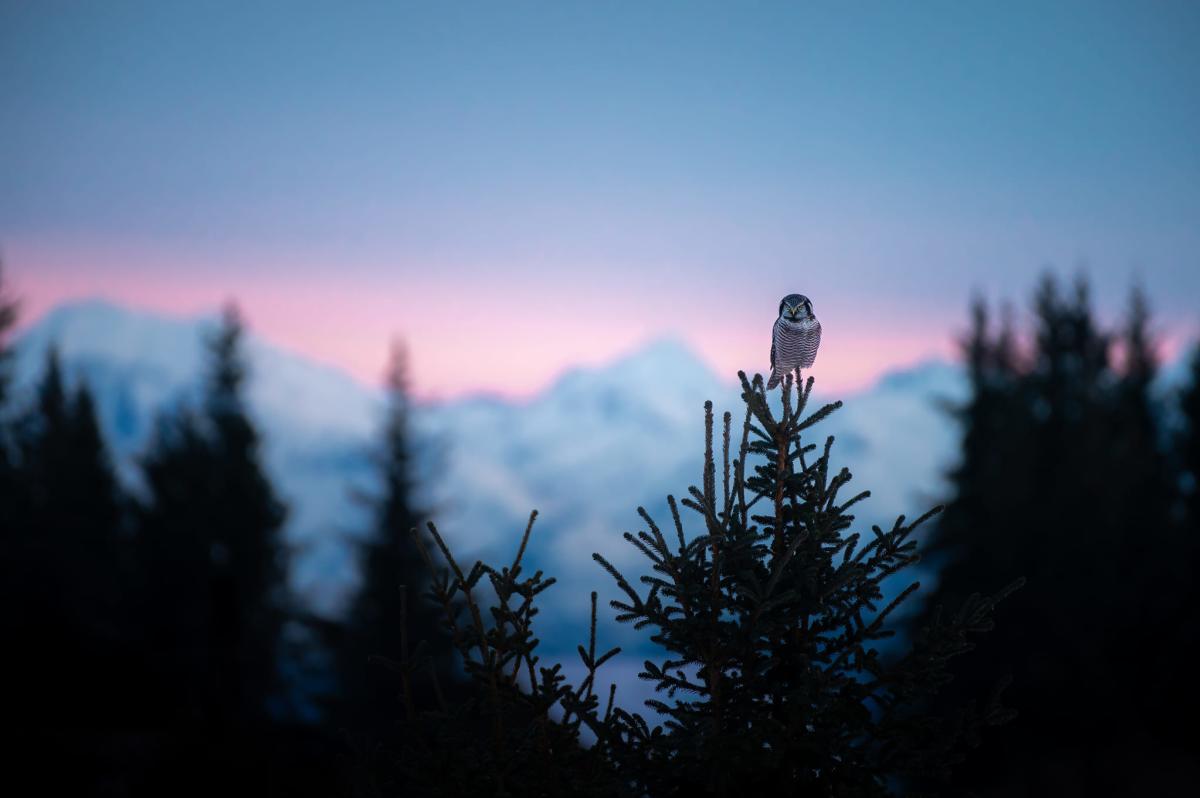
(794, 345)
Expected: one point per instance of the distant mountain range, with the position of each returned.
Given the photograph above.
(586, 451)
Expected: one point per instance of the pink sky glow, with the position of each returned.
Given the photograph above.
(496, 336)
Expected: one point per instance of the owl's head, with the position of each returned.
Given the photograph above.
(796, 307)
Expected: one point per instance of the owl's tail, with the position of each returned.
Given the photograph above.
(776, 378)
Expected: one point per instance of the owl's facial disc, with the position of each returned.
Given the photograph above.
(795, 307)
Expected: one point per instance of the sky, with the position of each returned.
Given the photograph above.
(517, 188)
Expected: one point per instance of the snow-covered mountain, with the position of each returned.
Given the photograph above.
(586, 452)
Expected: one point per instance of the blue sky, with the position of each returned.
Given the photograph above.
(596, 174)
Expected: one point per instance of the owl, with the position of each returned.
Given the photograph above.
(795, 339)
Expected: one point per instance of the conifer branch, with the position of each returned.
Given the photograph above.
(678, 523)
(524, 540)
(727, 420)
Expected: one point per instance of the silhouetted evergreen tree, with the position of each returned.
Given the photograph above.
(989, 431)
(388, 615)
(175, 550)
(214, 558)
(11, 534)
(71, 513)
(768, 615)
(63, 583)
(213, 597)
(1062, 478)
(1188, 447)
(1179, 631)
(15, 553)
(8, 318)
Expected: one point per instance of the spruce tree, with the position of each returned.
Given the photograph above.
(1188, 448)
(212, 527)
(8, 318)
(248, 558)
(8, 497)
(174, 554)
(989, 431)
(1185, 634)
(71, 491)
(518, 730)
(12, 536)
(1063, 479)
(771, 616)
(388, 612)
(67, 555)
(11, 523)
(1139, 503)
(768, 613)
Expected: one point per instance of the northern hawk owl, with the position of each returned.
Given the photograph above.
(795, 339)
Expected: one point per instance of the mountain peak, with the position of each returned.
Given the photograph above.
(89, 312)
(931, 374)
(99, 330)
(668, 348)
(664, 364)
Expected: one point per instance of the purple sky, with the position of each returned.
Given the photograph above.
(517, 187)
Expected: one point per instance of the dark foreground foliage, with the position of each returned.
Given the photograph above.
(1075, 473)
(768, 614)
